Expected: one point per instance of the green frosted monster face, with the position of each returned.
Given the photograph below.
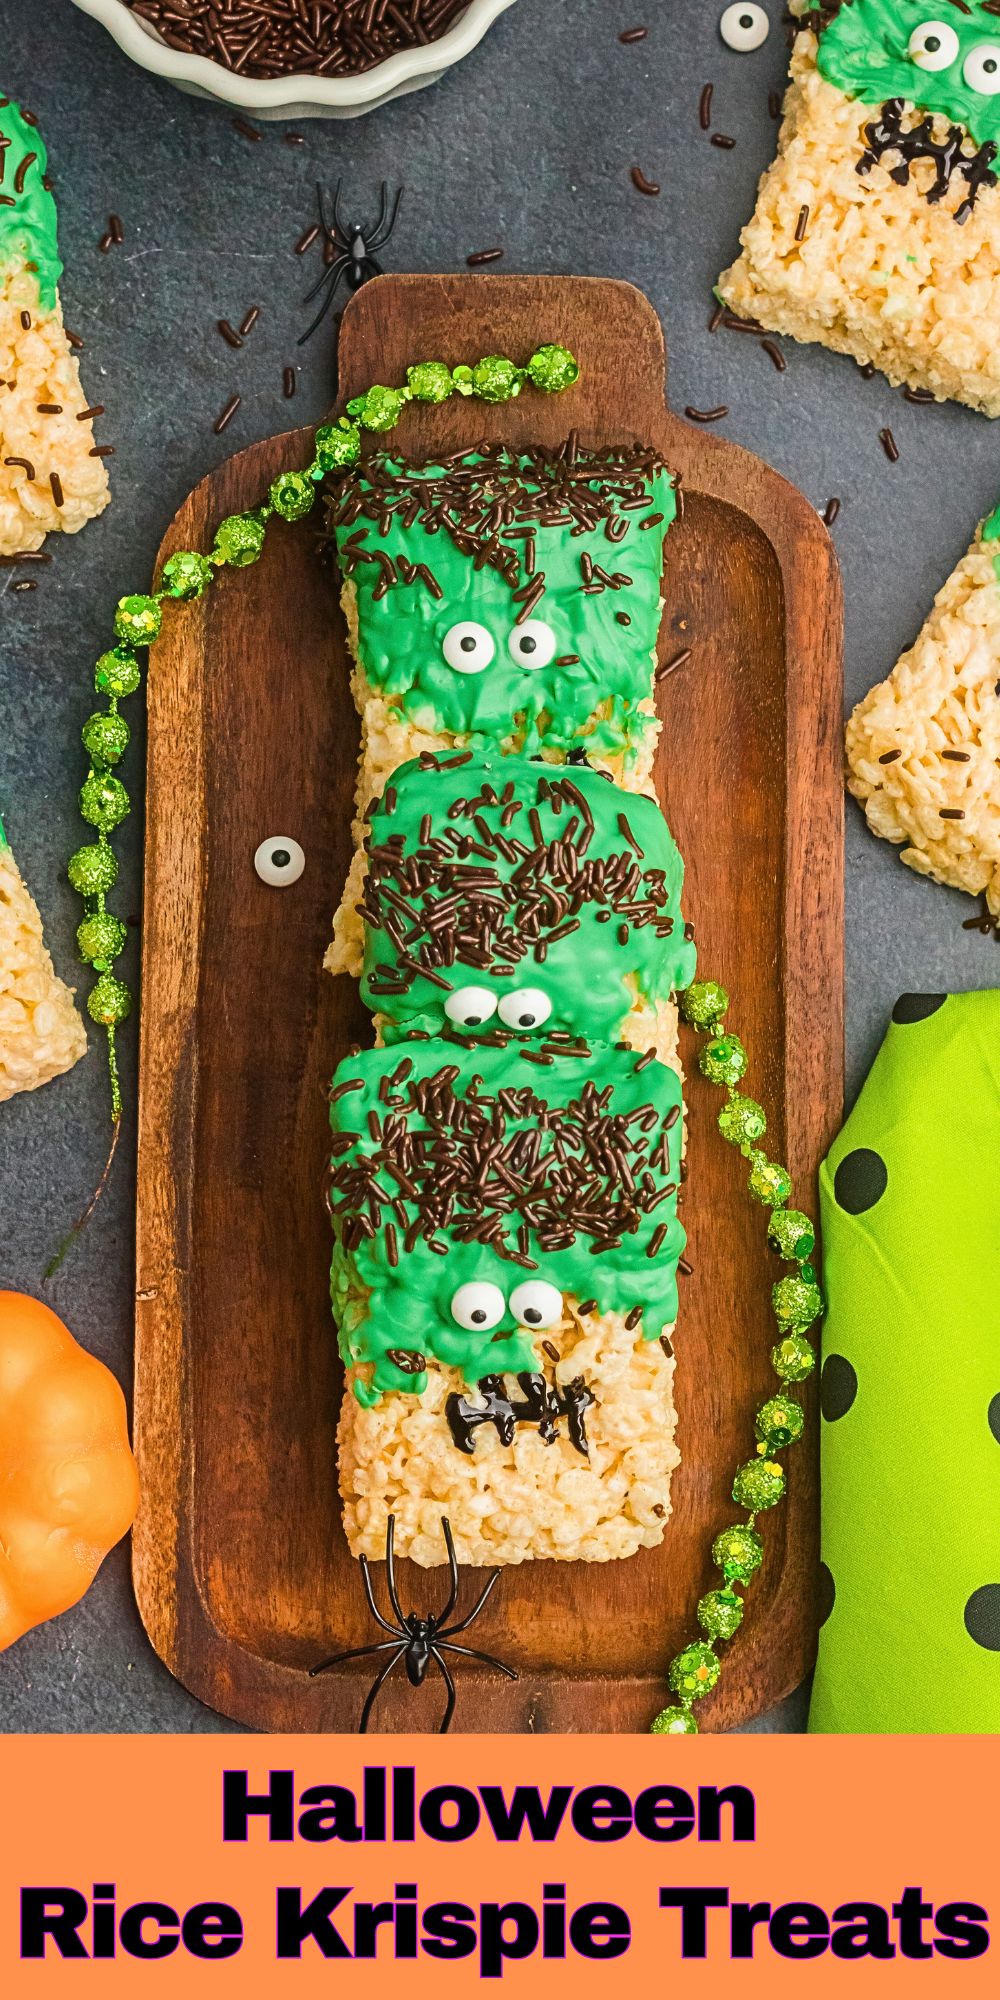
(510, 897)
(27, 210)
(928, 52)
(465, 1207)
(509, 599)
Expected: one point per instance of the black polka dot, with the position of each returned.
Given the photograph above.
(826, 1595)
(838, 1386)
(860, 1181)
(982, 1617)
(993, 1417)
(912, 1007)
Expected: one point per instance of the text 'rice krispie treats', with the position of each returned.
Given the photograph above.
(49, 476)
(923, 747)
(877, 229)
(506, 1242)
(41, 1033)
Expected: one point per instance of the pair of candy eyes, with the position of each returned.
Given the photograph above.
(479, 1306)
(935, 45)
(469, 648)
(473, 1006)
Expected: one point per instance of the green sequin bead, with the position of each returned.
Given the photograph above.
(758, 1484)
(553, 369)
(791, 1234)
(674, 1722)
(703, 1003)
(720, 1613)
(742, 1121)
(769, 1184)
(796, 1302)
(430, 382)
(138, 620)
(104, 802)
(380, 408)
(793, 1358)
(694, 1672)
(92, 870)
(117, 672)
(239, 540)
(337, 446)
(292, 495)
(105, 737)
(186, 575)
(723, 1059)
(101, 938)
(779, 1423)
(738, 1552)
(495, 379)
(110, 1001)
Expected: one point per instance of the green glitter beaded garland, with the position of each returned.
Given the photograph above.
(738, 1551)
(185, 576)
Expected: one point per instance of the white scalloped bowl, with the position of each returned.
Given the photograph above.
(296, 96)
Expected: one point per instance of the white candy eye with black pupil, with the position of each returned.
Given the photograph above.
(468, 647)
(527, 1007)
(536, 1303)
(470, 1006)
(279, 861)
(981, 69)
(479, 1307)
(744, 27)
(532, 644)
(934, 45)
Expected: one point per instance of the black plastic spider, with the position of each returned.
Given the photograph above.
(415, 1640)
(354, 243)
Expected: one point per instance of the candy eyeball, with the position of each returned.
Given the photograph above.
(478, 1307)
(981, 68)
(279, 861)
(468, 647)
(471, 1006)
(536, 1303)
(934, 45)
(744, 26)
(526, 1007)
(532, 644)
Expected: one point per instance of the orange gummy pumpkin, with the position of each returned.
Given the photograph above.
(68, 1481)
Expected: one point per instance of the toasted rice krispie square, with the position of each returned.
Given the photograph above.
(41, 1033)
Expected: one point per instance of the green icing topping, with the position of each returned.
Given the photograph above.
(27, 210)
(526, 1165)
(556, 560)
(569, 894)
(990, 532)
(865, 52)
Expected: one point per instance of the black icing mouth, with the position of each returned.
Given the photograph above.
(888, 134)
(542, 1404)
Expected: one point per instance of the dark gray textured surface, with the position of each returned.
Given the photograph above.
(527, 144)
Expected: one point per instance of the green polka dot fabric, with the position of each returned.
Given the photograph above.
(910, 1384)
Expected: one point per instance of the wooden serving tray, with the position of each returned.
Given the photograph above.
(241, 1567)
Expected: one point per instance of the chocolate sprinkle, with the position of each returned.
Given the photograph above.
(723, 140)
(830, 511)
(226, 416)
(707, 416)
(229, 333)
(705, 107)
(890, 756)
(483, 257)
(889, 445)
(640, 182)
(633, 35)
(803, 222)
(288, 383)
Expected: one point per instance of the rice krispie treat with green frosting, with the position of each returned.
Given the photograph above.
(41, 1033)
(49, 477)
(877, 229)
(923, 747)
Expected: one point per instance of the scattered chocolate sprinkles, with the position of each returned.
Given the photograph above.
(57, 489)
(957, 756)
(640, 182)
(633, 35)
(24, 463)
(307, 239)
(26, 324)
(919, 395)
(92, 410)
(774, 103)
(773, 351)
(890, 756)
(272, 38)
(289, 382)
(723, 140)
(705, 107)
(116, 229)
(831, 510)
(102, 451)
(229, 333)
(707, 416)
(484, 256)
(19, 177)
(74, 339)
(889, 445)
(803, 223)
(240, 125)
(670, 666)
(951, 812)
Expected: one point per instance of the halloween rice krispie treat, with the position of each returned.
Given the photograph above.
(49, 476)
(877, 229)
(503, 894)
(923, 747)
(41, 1033)
(504, 1281)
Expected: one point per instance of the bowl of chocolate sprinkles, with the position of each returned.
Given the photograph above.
(297, 58)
